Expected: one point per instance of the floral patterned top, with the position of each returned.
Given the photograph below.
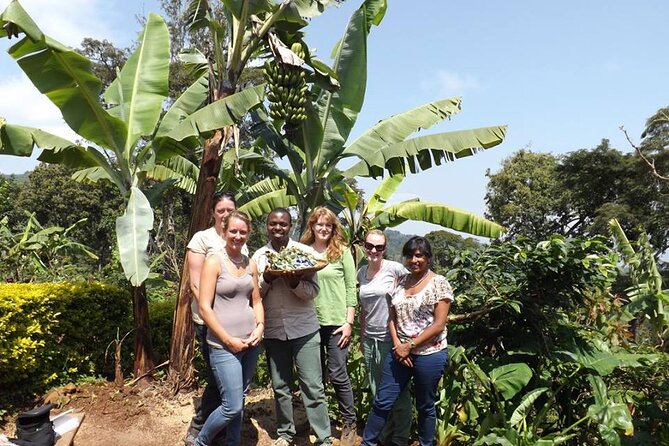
(416, 312)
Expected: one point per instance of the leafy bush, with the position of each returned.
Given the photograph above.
(540, 349)
(56, 331)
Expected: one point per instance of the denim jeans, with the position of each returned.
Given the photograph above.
(233, 373)
(333, 360)
(211, 399)
(302, 355)
(398, 425)
(426, 373)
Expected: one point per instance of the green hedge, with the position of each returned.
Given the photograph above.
(55, 331)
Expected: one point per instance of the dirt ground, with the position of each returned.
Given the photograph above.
(152, 416)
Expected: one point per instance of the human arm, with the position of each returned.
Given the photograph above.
(441, 309)
(258, 310)
(346, 329)
(208, 278)
(195, 264)
(304, 286)
(400, 350)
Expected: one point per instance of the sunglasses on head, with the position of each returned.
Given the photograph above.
(371, 246)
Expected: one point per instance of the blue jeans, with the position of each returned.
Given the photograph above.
(426, 372)
(233, 373)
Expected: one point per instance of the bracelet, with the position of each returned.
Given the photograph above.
(260, 323)
(349, 323)
(412, 343)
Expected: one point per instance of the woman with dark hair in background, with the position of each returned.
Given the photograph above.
(378, 279)
(335, 307)
(233, 311)
(418, 316)
(202, 244)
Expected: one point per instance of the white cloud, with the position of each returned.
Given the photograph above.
(67, 22)
(23, 104)
(450, 83)
(70, 21)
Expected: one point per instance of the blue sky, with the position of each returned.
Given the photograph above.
(561, 75)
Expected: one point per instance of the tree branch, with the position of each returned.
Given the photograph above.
(649, 162)
(470, 317)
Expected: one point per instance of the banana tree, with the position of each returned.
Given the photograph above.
(316, 149)
(37, 247)
(239, 38)
(121, 141)
(646, 293)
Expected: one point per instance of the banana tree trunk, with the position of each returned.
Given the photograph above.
(143, 346)
(181, 373)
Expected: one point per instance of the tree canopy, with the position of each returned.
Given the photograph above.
(538, 194)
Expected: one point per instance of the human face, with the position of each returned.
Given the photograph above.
(221, 210)
(322, 230)
(278, 229)
(373, 241)
(417, 262)
(236, 233)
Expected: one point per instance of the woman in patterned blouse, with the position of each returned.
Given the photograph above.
(418, 316)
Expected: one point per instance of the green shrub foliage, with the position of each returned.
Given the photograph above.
(55, 331)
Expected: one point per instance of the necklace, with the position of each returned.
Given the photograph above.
(238, 261)
(420, 280)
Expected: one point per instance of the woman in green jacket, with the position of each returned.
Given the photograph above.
(335, 307)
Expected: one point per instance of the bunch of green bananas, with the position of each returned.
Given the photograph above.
(287, 89)
(289, 259)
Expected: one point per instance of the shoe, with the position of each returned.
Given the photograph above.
(281, 442)
(189, 439)
(348, 434)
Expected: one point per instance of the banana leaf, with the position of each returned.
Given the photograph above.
(137, 94)
(425, 152)
(66, 78)
(132, 235)
(438, 214)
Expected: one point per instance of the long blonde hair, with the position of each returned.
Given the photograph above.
(337, 242)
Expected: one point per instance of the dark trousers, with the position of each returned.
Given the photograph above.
(334, 359)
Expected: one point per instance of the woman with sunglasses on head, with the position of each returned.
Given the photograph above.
(377, 280)
(233, 311)
(200, 246)
(418, 316)
(335, 307)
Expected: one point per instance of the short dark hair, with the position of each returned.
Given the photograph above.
(220, 196)
(417, 243)
(281, 211)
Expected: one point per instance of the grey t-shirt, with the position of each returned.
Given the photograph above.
(374, 299)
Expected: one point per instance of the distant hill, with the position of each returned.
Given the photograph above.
(20, 177)
(395, 241)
